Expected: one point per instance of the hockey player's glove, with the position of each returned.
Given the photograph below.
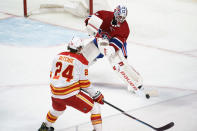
(98, 97)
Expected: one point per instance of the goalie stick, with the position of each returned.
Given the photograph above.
(165, 127)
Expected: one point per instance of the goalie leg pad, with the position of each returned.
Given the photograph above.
(127, 73)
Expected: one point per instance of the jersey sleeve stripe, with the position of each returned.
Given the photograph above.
(124, 50)
(115, 46)
(116, 42)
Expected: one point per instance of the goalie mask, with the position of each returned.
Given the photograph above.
(75, 44)
(120, 13)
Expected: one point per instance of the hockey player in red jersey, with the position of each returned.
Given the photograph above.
(111, 31)
(69, 74)
(114, 28)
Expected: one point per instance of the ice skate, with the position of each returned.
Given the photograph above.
(45, 128)
(130, 89)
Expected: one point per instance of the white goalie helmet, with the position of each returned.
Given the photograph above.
(120, 13)
(75, 44)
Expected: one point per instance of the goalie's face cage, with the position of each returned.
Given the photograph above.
(120, 13)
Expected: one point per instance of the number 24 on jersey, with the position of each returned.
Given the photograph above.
(66, 73)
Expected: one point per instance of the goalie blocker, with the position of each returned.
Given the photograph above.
(117, 60)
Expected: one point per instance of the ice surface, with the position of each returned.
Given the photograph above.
(162, 46)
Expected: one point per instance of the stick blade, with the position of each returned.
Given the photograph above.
(168, 126)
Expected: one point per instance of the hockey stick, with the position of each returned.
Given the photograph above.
(165, 127)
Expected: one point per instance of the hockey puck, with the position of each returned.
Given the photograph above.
(147, 96)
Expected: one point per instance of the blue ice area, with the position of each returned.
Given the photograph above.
(26, 32)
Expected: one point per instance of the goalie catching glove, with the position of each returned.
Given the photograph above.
(98, 97)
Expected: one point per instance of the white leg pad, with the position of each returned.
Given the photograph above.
(126, 72)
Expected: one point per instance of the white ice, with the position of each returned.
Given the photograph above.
(162, 46)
